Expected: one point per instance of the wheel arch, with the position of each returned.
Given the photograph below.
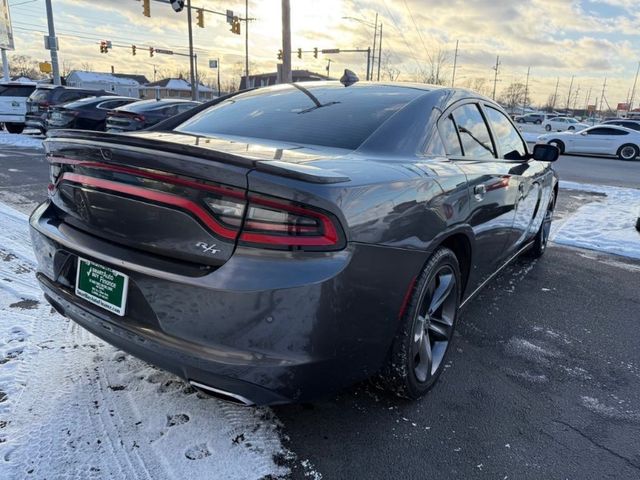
(461, 245)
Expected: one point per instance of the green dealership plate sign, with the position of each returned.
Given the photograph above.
(102, 286)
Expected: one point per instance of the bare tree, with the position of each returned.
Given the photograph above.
(513, 96)
(436, 71)
(24, 66)
(389, 71)
(86, 66)
(67, 67)
(478, 84)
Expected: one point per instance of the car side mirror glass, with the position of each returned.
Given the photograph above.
(546, 153)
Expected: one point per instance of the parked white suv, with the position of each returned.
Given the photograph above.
(13, 104)
(560, 124)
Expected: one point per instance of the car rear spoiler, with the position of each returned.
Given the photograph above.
(107, 140)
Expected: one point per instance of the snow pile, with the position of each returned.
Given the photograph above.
(607, 226)
(72, 406)
(18, 140)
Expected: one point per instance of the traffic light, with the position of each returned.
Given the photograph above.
(133, 49)
(235, 25)
(299, 53)
(279, 54)
(315, 52)
(151, 50)
(105, 45)
(146, 8)
(200, 13)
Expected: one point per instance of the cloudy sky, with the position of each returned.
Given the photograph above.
(557, 39)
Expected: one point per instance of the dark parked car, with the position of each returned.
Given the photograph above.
(145, 113)
(86, 114)
(621, 122)
(282, 243)
(46, 96)
(536, 118)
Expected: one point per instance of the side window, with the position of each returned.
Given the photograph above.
(606, 131)
(435, 146)
(511, 144)
(474, 135)
(449, 136)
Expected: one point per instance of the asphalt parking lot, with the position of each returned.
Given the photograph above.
(543, 380)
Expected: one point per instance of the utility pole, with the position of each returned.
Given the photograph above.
(495, 78)
(328, 66)
(53, 44)
(455, 65)
(555, 95)
(5, 65)
(569, 97)
(604, 86)
(191, 67)
(526, 91)
(219, 76)
(380, 52)
(246, 46)
(286, 42)
(375, 36)
(586, 103)
(633, 90)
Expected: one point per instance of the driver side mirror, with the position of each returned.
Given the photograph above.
(583, 133)
(545, 153)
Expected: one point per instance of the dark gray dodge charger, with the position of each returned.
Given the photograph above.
(279, 244)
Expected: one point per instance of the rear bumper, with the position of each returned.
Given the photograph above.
(12, 119)
(271, 327)
(33, 120)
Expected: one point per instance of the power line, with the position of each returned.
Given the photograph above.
(426, 50)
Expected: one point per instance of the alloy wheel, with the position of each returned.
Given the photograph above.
(433, 327)
(628, 152)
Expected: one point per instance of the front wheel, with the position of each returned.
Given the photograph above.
(547, 128)
(558, 144)
(418, 353)
(628, 152)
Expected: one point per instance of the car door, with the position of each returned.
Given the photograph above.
(595, 140)
(492, 192)
(532, 179)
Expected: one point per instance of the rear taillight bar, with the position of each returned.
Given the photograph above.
(254, 220)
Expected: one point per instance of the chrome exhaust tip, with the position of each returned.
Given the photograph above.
(221, 394)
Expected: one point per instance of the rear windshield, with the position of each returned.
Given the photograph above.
(16, 90)
(146, 106)
(328, 115)
(41, 94)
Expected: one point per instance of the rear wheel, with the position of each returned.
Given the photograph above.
(14, 127)
(418, 353)
(559, 144)
(571, 129)
(538, 122)
(547, 128)
(628, 152)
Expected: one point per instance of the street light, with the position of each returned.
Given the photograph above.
(375, 34)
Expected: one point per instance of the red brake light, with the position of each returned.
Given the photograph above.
(139, 118)
(278, 223)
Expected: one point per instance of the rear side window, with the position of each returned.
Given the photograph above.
(15, 91)
(332, 116)
(511, 145)
(473, 132)
(606, 131)
(450, 138)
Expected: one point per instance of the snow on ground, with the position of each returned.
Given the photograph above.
(18, 140)
(72, 406)
(607, 225)
(530, 137)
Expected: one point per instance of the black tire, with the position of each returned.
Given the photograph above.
(571, 129)
(520, 120)
(547, 128)
(414, 364)
(557, 143)
(538, 122)
(14, 127)
(628, 152)
(542, 237)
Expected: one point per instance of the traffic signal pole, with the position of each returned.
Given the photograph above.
(286, 42)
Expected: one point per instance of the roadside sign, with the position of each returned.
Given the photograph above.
(51, 43)
(45, 67)
(166, 52)
(623, 107)
(229, 17)
(330, 50)
(213, 63)
(6, 32)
